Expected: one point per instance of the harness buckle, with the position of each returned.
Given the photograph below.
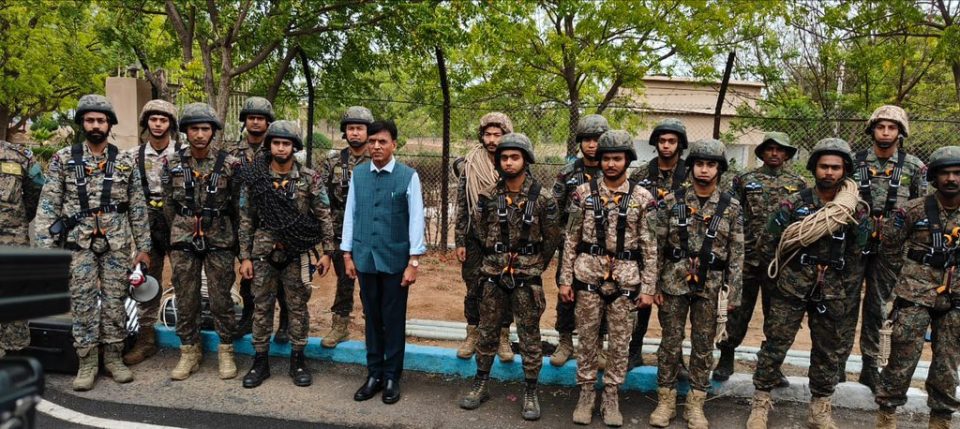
(596, 250)
(711, 234)
(626, 254)
(500, 247)
(678, 253)
(806, 259)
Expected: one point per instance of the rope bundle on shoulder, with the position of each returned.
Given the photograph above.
(834, 215)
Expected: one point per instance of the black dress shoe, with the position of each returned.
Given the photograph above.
(391, 393)
(369, 388)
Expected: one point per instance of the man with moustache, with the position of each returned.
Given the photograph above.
(335, 176)
(888, 177)
(286, 214)
(202, 208)
(574, 174)
(382, 243)
(815, 282)
(610, 256)
(158, 123)
(477, 172)
(760, 193)
(927, 296)
(517, 224)
(93, 205)
(700, 235)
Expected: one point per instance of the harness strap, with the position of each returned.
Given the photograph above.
(345, 168)
(706, 256)
(76, 158)
(682, 222)
(895, 179)
(864, 170)
(523, 247)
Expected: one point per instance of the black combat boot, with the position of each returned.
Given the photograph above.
(869, 374)
(298, 369)
(259, 372)
(724, 368)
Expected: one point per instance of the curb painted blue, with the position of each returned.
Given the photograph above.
(430, 359)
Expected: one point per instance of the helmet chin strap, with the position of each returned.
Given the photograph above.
(356, 144)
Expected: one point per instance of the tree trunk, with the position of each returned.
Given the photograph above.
(281, 73)
(4, 121)
(955, 66)
(308, 75)
(445, 167)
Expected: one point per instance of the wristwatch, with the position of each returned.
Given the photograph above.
(415, 263)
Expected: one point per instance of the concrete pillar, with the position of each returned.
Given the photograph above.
(128, 96)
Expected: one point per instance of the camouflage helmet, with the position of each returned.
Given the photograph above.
(890, 113)
(257, 106)
(159, 107)
(670, 125)
(199, 113)
(495, 119)
(947, 156)
(356, 115)
(617, 141)
(710, 150)
(94, 103)
(591, 126)
(779, 138)
(284, 130)
(518, 141)
(831, 146)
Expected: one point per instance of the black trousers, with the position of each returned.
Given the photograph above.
(385, 309)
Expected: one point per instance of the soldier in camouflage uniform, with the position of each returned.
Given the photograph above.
(574, 174)
(93, 204)
(476, 172)
(610, 265)
(888, 177)
(663, 174)
(20, 182)
(927, 295)
(700, 235)
(201, 205)
(335, 176)
(158, 121)
(760, 193)
(256, 115)
(517, 223)
(278, 191)
(815, 281)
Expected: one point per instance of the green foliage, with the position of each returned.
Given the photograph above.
(44, 122)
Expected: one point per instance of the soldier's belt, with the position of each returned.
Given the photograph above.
(597, 250)
(714, 264)
(932, 259)
(808, 260)
(598, 289)
(190, 248)
(188, 212)
(512, 282)
(525, 250)
(109, 208)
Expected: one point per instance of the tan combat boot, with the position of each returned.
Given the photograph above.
(145, 346)
(339, 332)
(693, 411)
(762, 403)
(114, 364)
(940, 420)
(887, 418)
(469, 346)
(189, 363)
(583, 414)
(601, 360)
(821, 416)
(564, 350)
(504, 351)
(666, 408)
(228, 368)
(610, 406)
(89, 365)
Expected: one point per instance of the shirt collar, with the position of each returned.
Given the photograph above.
(388, 168)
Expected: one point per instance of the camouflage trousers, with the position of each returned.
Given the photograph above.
(14, 336)
(909, 326)
(673, 314)
(591, 310)
(149, 311)
(343, 297)
(781, 327)
(527, 303)
(98, 289)
(755, 283)
(881, 277)
(218, 266)
(296, 288)
(470, 271)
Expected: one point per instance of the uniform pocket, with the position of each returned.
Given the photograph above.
(11, 188)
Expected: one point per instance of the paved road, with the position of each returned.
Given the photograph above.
(429, 401)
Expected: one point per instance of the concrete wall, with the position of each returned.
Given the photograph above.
(128, 96)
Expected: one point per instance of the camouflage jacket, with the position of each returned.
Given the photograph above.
(335, 177)
(21, 180)
(60, 198)
(244, 151)
(463, 222)
(219, 230)
(798, 277)
(543, 232)
(760, 193)
(639, 237)
(570, 177)
(656, 181)
(153, 165)
(311, 198)
(909, 225)
(913, 184)
(727, 246)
